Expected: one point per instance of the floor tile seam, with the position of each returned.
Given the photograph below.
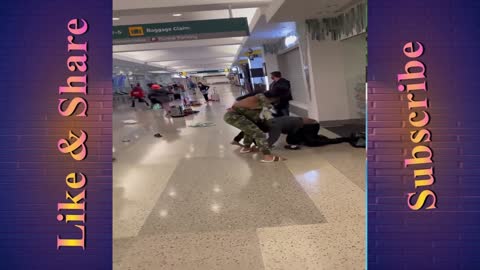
(333, 201)
(154, 202)
(338, 169)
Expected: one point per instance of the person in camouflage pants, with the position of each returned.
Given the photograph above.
(244, 115)
(236, 118)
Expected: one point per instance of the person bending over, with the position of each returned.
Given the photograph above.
(241, 135)
(138, 94)
(244, 115)
(300, 131)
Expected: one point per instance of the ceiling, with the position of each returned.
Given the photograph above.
(268, 20)
(183, 59)
(180, 56)
(268, 32)
(186, 16)
(127, 67)
(292, 10)
(128, 7)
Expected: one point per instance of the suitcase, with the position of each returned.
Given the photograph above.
(176, 111)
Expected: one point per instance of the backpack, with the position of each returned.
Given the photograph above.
(359, 141)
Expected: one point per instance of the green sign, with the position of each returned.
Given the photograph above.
(176, 31)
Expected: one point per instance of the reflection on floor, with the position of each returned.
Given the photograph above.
(190, 200)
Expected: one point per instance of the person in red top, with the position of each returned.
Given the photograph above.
(138, 94)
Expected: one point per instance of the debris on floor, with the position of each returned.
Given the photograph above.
(158, 135)
(130, 122)
(125, 140)
(206, 124)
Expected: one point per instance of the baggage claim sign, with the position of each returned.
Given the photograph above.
(177, 31)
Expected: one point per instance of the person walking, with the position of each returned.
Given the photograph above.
(281, 87)
(177, 92)
(191, 84)
(204, 90)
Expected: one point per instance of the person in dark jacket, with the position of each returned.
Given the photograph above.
(281, 87)
(204, 90)
(177, 91)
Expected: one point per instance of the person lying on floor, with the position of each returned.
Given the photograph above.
(244, 115)
(300, 131)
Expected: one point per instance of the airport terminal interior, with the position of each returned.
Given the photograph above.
(186, 195)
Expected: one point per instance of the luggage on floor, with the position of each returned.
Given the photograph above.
(176, 111)
(187, 111)
(192, 100)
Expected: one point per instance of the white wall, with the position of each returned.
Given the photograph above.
(271, 61)
(354, 58)
(291, 67)
(327, 79)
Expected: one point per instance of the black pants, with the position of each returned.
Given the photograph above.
(240, 135)
(308, 135)
(155, 101)
(283, 110)
(205, 96)
(139, 100)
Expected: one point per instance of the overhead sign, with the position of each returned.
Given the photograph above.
(177, 31)
(209, 71)
(254, 53)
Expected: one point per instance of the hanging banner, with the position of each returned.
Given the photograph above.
(177, 31)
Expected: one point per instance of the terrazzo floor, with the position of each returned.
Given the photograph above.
(191, 201)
